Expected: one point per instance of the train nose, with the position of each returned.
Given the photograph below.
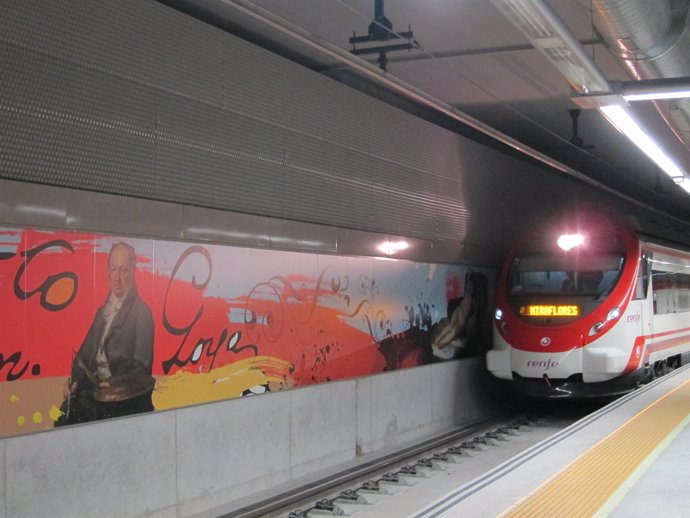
(550, 354)
(547, 365)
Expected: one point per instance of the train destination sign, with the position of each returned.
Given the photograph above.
(550, 310)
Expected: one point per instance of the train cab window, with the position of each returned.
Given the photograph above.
(548, 289)
(549, 285)
(554, 275)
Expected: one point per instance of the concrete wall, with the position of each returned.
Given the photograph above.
(187, 461)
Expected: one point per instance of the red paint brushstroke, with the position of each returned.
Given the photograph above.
(290, 324)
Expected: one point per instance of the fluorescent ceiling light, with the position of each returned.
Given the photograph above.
(641, 90)
(685, 185)
(621, 119)
(547, 32)
(653, 96)
(654, 89)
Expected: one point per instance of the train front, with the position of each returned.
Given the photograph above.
(559, 299)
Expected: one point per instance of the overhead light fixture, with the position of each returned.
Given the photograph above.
(614, 106)
(654, 96)
(620, 117)
(654, 89)
(392, 247)
(547, 32)
(684, 184)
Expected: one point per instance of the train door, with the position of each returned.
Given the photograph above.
(644, 297)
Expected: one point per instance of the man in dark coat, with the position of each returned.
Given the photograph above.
(111, 373)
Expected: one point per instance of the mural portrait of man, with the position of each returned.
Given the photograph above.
(111, 372)
(81, 311)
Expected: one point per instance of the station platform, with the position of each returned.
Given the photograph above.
(631, 458)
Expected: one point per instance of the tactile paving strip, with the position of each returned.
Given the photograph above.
(587, 484)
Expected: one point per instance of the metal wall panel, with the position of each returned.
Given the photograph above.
(133, 98)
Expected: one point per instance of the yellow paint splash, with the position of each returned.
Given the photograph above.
(14, 398)
(21, 420)
(189, 388)
(54, 413)
(37, 417)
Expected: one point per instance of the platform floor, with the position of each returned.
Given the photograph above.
(629, 459)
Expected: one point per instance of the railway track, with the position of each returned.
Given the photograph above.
(399, 483)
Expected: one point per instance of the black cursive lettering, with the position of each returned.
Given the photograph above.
(45, 286)
(184, 330)
(16, 370)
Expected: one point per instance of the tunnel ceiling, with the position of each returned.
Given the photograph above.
(468, 59)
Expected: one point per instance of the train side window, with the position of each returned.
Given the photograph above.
(671, 292)
(642, 284)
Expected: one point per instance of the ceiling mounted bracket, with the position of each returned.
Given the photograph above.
(381, 29)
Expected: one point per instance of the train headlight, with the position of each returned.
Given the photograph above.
(502, 324)
(596, 328)
(568, 241)
(613, 314)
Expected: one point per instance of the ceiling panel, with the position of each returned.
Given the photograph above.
(471, 58)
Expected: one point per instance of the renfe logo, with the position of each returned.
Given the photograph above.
(633, 319)
(543, 364)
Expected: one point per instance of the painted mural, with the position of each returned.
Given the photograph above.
(98, 326)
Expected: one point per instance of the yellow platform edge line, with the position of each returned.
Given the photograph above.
(663, 409)
(625, 487)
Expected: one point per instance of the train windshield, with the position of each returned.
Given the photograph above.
(564, 275)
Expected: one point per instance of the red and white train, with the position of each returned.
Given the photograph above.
(590, 309)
